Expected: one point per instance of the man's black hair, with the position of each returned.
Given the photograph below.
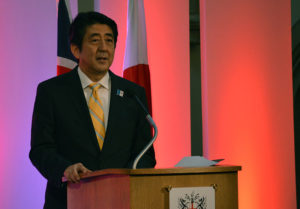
(83, 20)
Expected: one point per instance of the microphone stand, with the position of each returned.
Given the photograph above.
(151, 122)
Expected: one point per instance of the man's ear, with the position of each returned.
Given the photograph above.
(75, 51)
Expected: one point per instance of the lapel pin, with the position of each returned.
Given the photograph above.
(120, 93)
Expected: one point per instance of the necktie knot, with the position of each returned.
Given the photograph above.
(95, 86)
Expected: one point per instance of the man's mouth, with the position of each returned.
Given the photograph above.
(101, 58)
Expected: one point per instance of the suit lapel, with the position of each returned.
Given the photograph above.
(116, 102)
(82, 112)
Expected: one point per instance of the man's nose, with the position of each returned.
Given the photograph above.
(102, 45)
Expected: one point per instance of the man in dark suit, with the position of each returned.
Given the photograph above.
(64, 139)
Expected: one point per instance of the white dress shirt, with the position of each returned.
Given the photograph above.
(103, 91)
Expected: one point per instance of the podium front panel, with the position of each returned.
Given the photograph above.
(149, 192)
(149, 188)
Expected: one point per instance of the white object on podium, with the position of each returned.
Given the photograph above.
(196, 161)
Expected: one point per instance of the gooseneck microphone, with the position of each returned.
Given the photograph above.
(150, 121)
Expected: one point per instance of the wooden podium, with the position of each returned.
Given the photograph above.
(149, 188)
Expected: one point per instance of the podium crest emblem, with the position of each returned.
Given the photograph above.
(192, 201)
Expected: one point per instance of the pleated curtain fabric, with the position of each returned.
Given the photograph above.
(97, 113)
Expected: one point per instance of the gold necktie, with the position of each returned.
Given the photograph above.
(97, 114)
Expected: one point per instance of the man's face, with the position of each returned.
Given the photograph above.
(97, 50)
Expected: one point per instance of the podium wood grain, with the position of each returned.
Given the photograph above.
(148, 188)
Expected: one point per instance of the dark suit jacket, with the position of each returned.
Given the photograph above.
(62, 132)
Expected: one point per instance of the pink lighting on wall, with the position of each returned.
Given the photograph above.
(28, 56)
(247, 96)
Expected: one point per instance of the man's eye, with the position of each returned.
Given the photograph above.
(95, 40)
(109, 40)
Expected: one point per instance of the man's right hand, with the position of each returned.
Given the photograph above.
(72, 172)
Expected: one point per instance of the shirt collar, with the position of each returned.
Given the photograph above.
(85, 81)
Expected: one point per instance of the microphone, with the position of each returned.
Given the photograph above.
(150, 121)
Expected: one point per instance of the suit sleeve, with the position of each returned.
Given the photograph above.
(43, 153)
(144, 136)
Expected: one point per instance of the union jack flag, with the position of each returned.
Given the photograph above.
(65, 59)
